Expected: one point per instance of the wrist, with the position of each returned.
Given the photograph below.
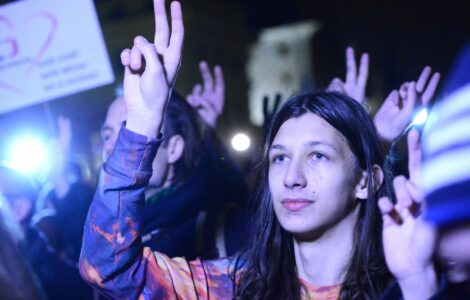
(143, 122)
(420, 285)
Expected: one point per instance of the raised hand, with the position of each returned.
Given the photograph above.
(61, 152)
(150, 71)
(355, 84)
(208, 99)
(396, 112)
(409, 241)
(61, 145)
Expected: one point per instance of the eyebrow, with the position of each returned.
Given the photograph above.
(309, 144)
(106, 127)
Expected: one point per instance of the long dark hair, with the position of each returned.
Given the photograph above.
(181, 119)
(269, 268)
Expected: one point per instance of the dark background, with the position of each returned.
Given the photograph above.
(400, 36)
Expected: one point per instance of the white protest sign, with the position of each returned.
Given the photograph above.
(49, 49)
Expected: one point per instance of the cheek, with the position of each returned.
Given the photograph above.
(455, 244)
(332, 181)
(273, 182)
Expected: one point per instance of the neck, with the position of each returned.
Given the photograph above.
(324, 260)
(155, 187)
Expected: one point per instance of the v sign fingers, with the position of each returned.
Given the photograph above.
(169, 46)
(150, 71)
(211, 94)
(425, 88)
(355, 84)
(423, 79)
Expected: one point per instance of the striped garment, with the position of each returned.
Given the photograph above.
(446, 159)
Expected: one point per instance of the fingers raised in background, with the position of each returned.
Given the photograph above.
(355, 83)
(208, 99)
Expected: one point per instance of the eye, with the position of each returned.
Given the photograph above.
(318, 156)
(278, 158)
(105, 136)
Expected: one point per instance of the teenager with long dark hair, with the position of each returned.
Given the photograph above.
(318, 232)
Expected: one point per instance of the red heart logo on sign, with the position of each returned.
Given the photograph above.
(12, 49)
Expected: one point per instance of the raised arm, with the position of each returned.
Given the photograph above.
(150, 71)
(396, 112)
(409, 241)
(113, 259)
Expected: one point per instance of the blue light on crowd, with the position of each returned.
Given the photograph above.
(28, 154)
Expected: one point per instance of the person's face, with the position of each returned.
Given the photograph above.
(20, 205)
(110, 130)
(454, 252)
(312, 175)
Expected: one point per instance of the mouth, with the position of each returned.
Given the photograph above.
(296, 204)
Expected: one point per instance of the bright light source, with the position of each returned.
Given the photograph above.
(28, 155)
(241, 142)
(420, 117)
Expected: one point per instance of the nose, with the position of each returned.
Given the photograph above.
(294, 176)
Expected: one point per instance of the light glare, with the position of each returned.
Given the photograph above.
(420, 117)
(241, 142)
(28, 155)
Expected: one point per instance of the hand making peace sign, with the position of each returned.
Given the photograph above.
(151, 69)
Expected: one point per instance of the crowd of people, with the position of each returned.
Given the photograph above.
(332, 216)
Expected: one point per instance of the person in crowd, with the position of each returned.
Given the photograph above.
(186, 203)
(17, 280)
(443, 233)
(64, 199)
(58, 276)
(446, 176)
(318, 232)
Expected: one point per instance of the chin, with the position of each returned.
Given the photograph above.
(298, 226)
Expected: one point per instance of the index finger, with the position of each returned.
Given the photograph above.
(423, 78)
(351, 71)
(219, 88)
(431, 88)
(177, 34)
(207, 80)
(219, 79)
(162, 31)
(363, 72)
(414, 155)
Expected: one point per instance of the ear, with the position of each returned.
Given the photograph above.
(175, 148)
(362, 188)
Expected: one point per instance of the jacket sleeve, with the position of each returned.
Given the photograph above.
(113, 259)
